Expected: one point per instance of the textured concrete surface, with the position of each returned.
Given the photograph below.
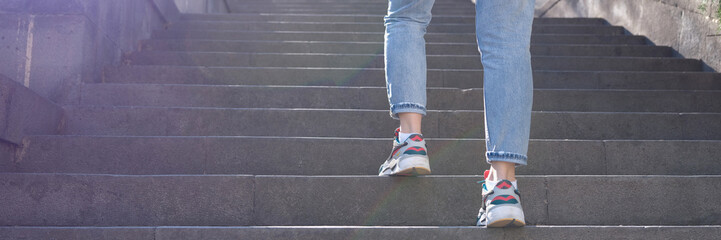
(648, 157)
(315, 156)
(191, 133)
(72, 233)
(676, 23)
(319, 156)
(203, 6)
(377, 47)
(23, 112)
(121, 200)
(370, 200)
(53, 46)
(366, 18)
(236, 6)
(374, 77)
(360, 232)
(177, 121)
(376, 61)
(241, 96)
(116, 200)
(378, 37)
(379, 28)
(614, 196)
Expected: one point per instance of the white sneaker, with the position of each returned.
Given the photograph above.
(501, 206)
(408, 158)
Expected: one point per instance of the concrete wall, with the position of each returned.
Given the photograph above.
(51, 46)
(202, 6)
(676, 23)
(23, 112)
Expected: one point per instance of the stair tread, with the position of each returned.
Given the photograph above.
(317, 155)
(122, 200)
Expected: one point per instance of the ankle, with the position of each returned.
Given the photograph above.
(403, 136)
(502, 170)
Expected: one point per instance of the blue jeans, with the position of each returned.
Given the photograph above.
(503, 33)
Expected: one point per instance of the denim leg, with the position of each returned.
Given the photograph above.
(405, 55)
(503, 32)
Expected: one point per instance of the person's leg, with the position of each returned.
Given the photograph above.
(410, 122)
(405, 55)
(405, 65)
(503, 31)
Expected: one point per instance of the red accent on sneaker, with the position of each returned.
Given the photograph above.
(416, 148)
(509, 197)
(503, 185)
(395, 151)
(417, 138)
(485, 174)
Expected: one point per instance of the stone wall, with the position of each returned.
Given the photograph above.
(51, 46)
(676, 23)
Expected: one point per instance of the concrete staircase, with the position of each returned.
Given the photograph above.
(271, 123)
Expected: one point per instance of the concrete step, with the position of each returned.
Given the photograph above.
(374, 10)
(378, 37)
(373, 48)
(359, 232)
(240, 96)
(237, 200)
(164, 121)
(376, 61)
(375, 77)
(360, 156)
(458, 5)
(365, 18)
(377, 9)
(379, 27)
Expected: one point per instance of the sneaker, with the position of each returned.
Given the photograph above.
(408, 158)
(501, 206)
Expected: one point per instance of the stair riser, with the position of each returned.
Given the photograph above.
(434, 61)
(376, 123)
(436, 78)
(320, 156)
(375, 98)
(378, 37)
(378, 27)
(366, 18)
(313, 233)
(106, 200)
(375, 11)
(99, 200)
(375, 48)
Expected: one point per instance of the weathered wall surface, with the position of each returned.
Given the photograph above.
(23, 112)
(676, 23)
(52, 46)
(49, 47)
(202, 6)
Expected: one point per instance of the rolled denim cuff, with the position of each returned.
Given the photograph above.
(406, 107)
(501, 156)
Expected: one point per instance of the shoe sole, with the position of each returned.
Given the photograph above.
(414, 171)
(506, 222)
(413, 166)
